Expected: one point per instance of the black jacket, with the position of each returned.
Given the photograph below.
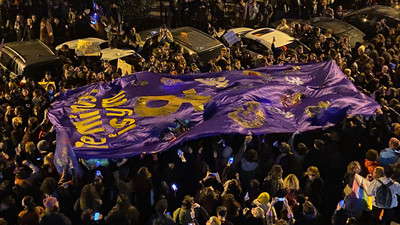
(55, 218)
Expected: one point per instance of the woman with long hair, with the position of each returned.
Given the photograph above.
(89, 199)
(293, 195)
(233, 187)
(273, 182)
(352, 169)
(123, 211)
(31, 213)
(233, 207)
(312, 186)
(209, 200)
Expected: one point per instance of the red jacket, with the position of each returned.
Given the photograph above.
(370, 165)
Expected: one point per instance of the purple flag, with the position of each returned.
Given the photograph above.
(148, 112)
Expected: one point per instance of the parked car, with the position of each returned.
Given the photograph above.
(30, 59)
(260, 40)
(190, 40)
(366, 19)
(109, 54)
(338, 27)
(74, 43)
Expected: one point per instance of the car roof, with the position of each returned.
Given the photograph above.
(339, 28)
(74, 43)
(379, 10)
(196, 39)
(265, 35)
(238, 31)
(31, 52)
(115, 53)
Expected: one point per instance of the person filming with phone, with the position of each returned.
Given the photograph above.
(190, 213)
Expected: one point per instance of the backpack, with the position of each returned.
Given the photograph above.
(383, 195)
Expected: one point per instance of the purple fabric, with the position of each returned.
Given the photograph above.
(240, 102)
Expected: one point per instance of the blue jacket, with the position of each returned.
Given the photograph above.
(387, 156)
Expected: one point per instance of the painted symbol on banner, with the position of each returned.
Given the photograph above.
(313, 111)
(292, 100)
(294, 80)
(290, 70)
(251, 73)
(220, 82)
(140, 83)
(296, 68)
(276, 110)
(170, 81)
(248, 115)
(266, 78)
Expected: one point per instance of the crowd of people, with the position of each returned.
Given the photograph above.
(269, 179)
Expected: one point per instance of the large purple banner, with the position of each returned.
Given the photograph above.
(148, 112)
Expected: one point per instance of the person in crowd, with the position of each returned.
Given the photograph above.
(272, 216)
(52, 214)
(31, 214)
(123, 212)
(250, 13)
(309, 215)
(209, 199)
(388, 155)
(339, 13)
(283, 26)
(371, 160)
(89, 199)
(234, 209)
(190, 212)
(19, 27)
(213, 221)
(29, 31)
(262, 201)
(165, 36)
(293, 193)
(312, 186)
(273, 182)
(161, 217)
(221, 214)
(384, 190)
(133, 39)
(266, 12)
(46, 33)
(352, 169)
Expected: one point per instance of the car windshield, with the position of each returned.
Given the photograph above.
(297, 43)
(262, 32)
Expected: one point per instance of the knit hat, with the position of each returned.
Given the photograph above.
(263, 198)
(50, 202)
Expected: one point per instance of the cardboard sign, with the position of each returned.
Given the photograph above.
(126, 69)
(88, 48)
(45, 85)
(231, 38)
